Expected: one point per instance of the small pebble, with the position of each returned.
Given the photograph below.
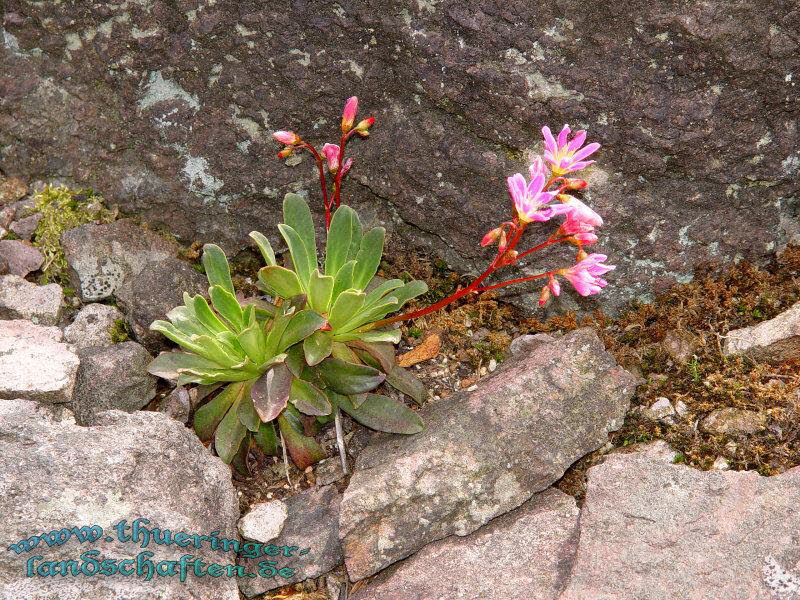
(492, 365)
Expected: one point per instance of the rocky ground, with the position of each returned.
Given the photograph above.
(647, 456)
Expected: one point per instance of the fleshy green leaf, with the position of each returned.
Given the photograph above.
(270, 392)
(340, 235)
(374, 335)
(370, 315)
(383, 413)
(382, 352)
(343, 280)
(309, 399)
(374, 296)
(265, 247)
(301, 260)
(230, 433)
(297, 215)
(301, 325)
(208, 416)
(205, 315)
(168, 364)
(344, 352)
(346, 306)
(247, 413)
(295, 359)
(254, 342)
(355, 240)
(369, 257)
(267, 439)
(228, 306)
(305, 451)
(403, 381)
(410, 290)
(317, 347)
(218, 271)
(281, 281)
(348, 378)
(319, 291)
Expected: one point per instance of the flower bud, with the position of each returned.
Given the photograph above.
(492, 236)
(286, 152)
(544, 296)
(508, 257)
(581, 255)
(287, 137)
(363, 126)
(349, 113)
(575, 184)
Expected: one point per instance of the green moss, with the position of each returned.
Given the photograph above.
(119, 331)
(63, 209)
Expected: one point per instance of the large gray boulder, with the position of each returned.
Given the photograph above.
(34, 364)
(654, 530)
(57, 475)
(112, 378)
(522, 555)
(483, 453)
(136, 266)
(695, 104)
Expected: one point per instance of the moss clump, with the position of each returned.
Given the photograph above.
(119, 331)
(63, 209)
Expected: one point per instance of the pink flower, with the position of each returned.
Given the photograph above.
(581, 220)
(530, 201)
(585, 275)
(349, 113)
(286, 137)
(566, 155)
(331, 152)
(538, 168)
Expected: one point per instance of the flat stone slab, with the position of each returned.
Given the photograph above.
(21, 299)
(654, 530)
(773, 341)
(523, 555)
(34, 364)
(57, 475)
(483, 453)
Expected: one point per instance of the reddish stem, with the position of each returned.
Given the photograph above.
(513, 281)
(323, 183)
(337, 182)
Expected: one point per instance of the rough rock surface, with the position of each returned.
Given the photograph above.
(522, 555)
(694, 103)
(178, 404)
(313, 525)
(146, 465)
(112, 377)
(482, 453)
(21, 299)
(20, 258)
(92, 326)
(136, 266)
(653, 530)
(11, 190)
(774, 341)
(34, 364)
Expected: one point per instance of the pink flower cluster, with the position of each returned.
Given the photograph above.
(535, 200)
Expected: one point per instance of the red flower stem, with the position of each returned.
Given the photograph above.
(549, 242)
(337, 182)
(323, 183)
(513, 281)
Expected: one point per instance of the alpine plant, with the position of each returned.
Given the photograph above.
(321, 339)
